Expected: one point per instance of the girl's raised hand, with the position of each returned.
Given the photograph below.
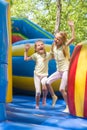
(70, 23)
(27, 46)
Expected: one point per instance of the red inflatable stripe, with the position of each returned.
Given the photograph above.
(71, 79)
(85, 99)
(16, 38)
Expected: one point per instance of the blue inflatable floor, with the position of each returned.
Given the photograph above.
(22, 115)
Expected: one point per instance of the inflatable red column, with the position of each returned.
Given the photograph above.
(77, 81)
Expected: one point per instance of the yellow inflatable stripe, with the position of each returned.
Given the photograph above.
(27, 83)
(80, 81)
(24, 83)
(18, 50)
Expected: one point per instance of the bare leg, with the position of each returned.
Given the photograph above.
(49, 87)
(37, 101)
(63, 89)
(55, 76)
(64, 94)
(45, 92)
(54, 97)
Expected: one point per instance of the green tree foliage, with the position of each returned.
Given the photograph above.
(77, 11)
(44, 12)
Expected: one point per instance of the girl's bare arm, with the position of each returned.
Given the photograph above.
(26, 57)
(71, 24)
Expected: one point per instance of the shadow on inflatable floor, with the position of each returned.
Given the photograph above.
(17, 91)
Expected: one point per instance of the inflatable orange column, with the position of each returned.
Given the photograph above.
(77, 81)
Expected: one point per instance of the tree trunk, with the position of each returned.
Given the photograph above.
(58, 16)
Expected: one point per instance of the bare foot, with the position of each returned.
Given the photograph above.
(44, 101)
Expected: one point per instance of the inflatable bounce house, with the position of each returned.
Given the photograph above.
(18, 111)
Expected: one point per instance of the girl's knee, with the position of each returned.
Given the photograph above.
(47, 83)
(62, 90)
(43, 81)
(38, 93)
(44, 88)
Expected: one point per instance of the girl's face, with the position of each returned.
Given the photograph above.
(40, 47)
(58, 39)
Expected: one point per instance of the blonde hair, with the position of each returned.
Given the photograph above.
(65, 47)
(66, 52)
(64, 36)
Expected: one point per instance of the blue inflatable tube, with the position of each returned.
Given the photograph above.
(3, 57)
(29, 29)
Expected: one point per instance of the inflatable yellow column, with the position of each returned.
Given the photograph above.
(9, 88)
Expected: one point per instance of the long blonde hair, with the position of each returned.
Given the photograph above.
(63, 36)
(66, 51)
